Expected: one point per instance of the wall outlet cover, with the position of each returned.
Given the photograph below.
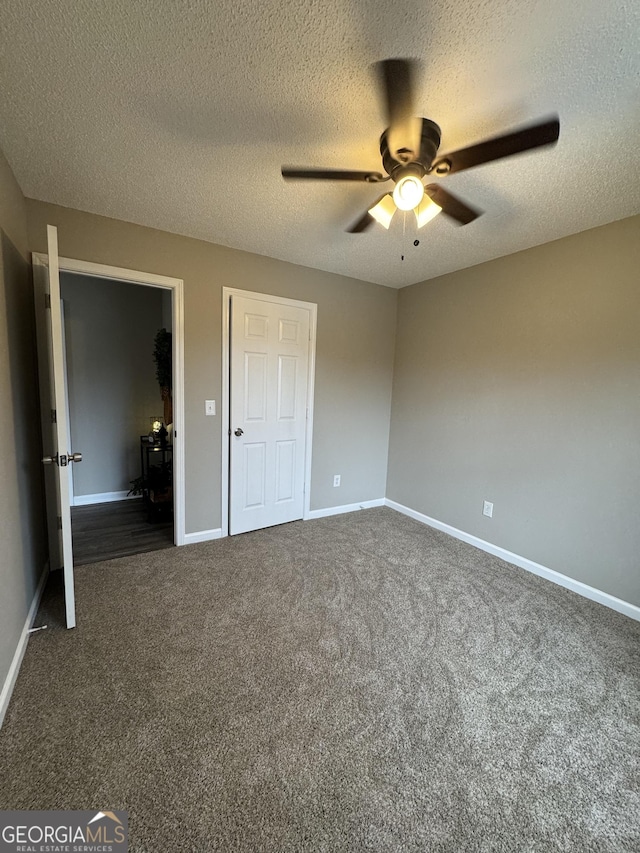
(487, 509)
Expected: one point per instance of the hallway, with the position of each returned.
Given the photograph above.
(117, 529)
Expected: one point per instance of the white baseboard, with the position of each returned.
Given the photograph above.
(14, 669)
(202, 536)
(103, 498)
(338, 510)
(583, 589)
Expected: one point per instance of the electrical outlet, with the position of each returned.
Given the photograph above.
(487, 509)
(209, 407)
(336, 480)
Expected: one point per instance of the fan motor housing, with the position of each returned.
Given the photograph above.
(429, 144)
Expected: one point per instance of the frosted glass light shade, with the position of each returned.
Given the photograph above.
(383, 211)
(426, 210)
(408, 193)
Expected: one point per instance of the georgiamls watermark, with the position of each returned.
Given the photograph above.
(63, 832)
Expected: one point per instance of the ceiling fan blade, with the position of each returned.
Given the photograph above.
(397, 84)
(451, 205)
(533, 136)
(362, 224)
(366, 219)
(333, 175)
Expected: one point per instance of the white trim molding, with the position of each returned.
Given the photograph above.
(338, 510)
(14, 669)
(103, 498)
(583, 589)
(202, 536)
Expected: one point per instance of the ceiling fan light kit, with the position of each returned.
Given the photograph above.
(409, 150)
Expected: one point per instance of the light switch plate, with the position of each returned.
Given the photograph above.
(209, 407)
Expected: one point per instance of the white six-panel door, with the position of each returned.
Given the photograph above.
(269, 361)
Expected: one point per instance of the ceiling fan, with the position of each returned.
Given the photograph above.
(409, 149)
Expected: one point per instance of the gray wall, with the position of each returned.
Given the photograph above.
(110, 328)
(22, 530)
(518, 381)
(356, 328)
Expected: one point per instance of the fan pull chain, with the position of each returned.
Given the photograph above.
(404, 226)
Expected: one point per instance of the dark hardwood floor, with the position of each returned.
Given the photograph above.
(105, 531)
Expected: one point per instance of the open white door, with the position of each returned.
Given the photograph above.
(53, 407)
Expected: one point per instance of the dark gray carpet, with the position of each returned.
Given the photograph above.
(360, 682)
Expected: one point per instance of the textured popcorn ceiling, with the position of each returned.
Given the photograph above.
(178, 115)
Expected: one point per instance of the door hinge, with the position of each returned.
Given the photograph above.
(47, 300)
(54, 416)
(59, 522)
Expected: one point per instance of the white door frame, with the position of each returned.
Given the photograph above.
(227, 293)
(176, 286)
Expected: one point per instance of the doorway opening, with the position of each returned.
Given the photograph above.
(57, 453)
(117, 339)
(114, 518)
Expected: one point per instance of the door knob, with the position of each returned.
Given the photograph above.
(61, 460)
(239, 432)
